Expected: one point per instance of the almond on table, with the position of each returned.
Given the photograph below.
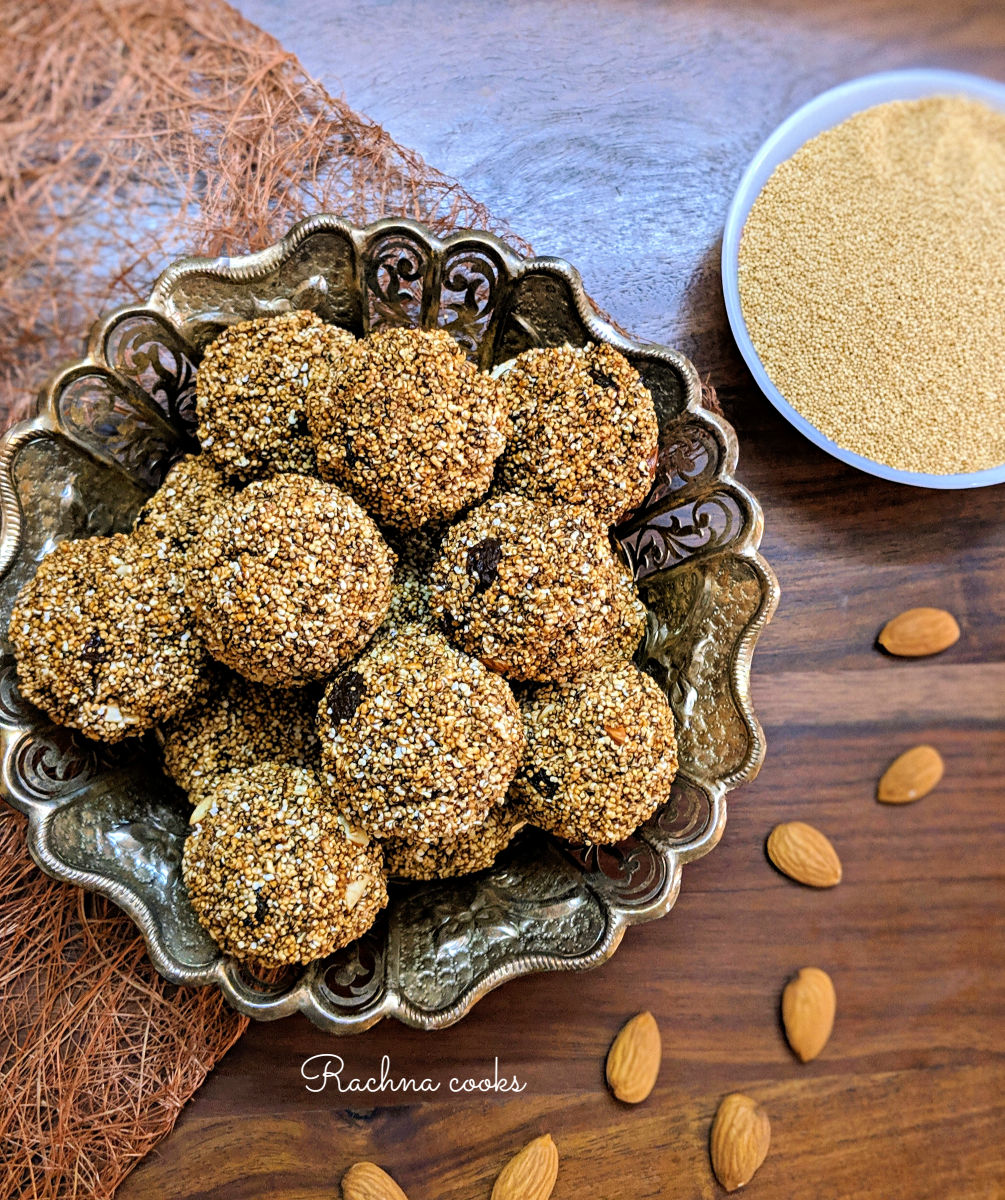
(803, 853)
(531, 1174)
(633, 1061)
(366, 1181)
(739, 1140)
(911, 775)
(919, 632)
(808, 1008)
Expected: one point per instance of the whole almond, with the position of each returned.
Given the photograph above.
(808, 1007)
(531, 1174)
(617, 734)
(633, 1061)
(366, 1181)
(919, 631)
(804, 854)
(911, 776)
(739, 1140)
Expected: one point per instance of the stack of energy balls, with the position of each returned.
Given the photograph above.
(377, 623)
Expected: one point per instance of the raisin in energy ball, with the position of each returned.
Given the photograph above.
(601, 755)
(192, 491)
(585, 430)
(419, 740)
(448, 857)
(238, 724)
(252, 389)
(409, 426)
(531, 589)
(271, 873)
(288, 581)
(103, 637)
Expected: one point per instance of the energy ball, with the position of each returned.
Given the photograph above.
(443, 859)
(630, 618)
(419, 740)
(271, 872)
(531, 589)
(288, 581)
(601, 755)
(238, 724)
(409, 426)
(416, 549)
(585, 430)
(192, 491)
(252, 389)
(103, 637)
(409, 606)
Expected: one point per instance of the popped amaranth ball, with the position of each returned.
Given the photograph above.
(409, 606)
(271, 871)
(409, 426)
(416, 549)
(531, 589)
(418, 739)
(601, 755)
(630, 618)
(445, 858)
(289, 580)
(252, 389)
(416, 552)
(238, 724)
(192, 491)
(584, 430)
(103, 637)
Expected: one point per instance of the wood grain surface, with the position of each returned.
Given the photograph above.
(614, 133)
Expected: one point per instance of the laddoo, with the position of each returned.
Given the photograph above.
(192, 491)
(419, 740)
(288, 581)
(584, 430)
(270, 871)
(601, 755)
(629, 625)
(238, 724)
(531, 589)
(408, 426)
(252, 389)
(446, 858)
(103, 637)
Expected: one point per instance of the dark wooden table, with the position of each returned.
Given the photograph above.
(614, 134)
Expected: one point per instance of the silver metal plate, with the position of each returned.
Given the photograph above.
(106, 431)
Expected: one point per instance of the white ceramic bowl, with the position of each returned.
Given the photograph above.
(824, 112)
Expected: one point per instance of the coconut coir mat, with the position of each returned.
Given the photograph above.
(132, 133)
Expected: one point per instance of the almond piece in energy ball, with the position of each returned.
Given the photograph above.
(238, 724)
(252, 389)
(533, 590)
(601, 755)
(446, 858)
(103, 637)
(408, 426)
(419, 740)
(288, 581)
(271, 873)
(585, 430)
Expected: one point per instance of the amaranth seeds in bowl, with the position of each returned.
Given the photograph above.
(872, 283)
